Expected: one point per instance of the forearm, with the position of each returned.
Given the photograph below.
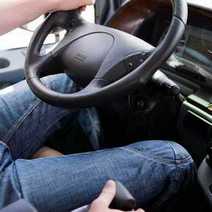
(15, 13)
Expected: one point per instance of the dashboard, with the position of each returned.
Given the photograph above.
(193, 55)
(192, 59)
(196, 47)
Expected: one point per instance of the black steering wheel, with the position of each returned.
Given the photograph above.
(104, 61)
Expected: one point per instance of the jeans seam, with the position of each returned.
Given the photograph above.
(4, 144)
(177, 160)
(17, 181)
(157, 160)
(47, 129)
(20, 121)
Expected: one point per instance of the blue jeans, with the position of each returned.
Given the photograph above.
(154, 171)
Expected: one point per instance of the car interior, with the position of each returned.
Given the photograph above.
(156, 83)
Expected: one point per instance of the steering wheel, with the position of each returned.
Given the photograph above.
(104, 61)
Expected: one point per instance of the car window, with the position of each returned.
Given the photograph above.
(201, 3)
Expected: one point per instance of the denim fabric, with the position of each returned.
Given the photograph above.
(152, 170)
(26, 121)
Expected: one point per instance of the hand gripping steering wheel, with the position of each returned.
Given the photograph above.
(104, 61)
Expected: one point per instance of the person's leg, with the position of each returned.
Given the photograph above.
(153, 171)
(26, 121)
(45, 151)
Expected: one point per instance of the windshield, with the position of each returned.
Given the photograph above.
(201, 3)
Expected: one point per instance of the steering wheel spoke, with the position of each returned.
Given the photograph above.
(47, 64)
(42, 66)
(112, 70)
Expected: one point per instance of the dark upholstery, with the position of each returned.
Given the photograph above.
(105, 9)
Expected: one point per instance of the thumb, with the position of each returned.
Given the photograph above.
(108, 194)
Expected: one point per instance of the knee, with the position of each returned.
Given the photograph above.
(172, 158)
(180, 154)
(184, 163)
(165, 152)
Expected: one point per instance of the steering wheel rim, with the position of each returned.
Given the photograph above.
(98, 90)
